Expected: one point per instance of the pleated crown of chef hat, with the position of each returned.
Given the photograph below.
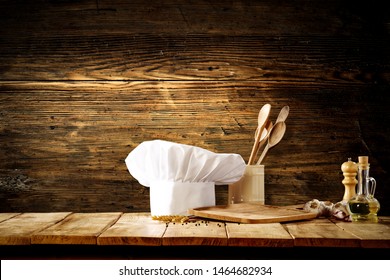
(180, 176)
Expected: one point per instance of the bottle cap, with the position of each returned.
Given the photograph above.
(363, 162)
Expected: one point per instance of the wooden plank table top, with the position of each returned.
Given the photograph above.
(84, 82)
(19, 229)
(258, 235)
(134, 229)
(77, 228)
(6, 216)
(117, 228)
(373, 236)
(200, 232)
(321, 233)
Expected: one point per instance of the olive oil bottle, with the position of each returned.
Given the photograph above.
(364, 206)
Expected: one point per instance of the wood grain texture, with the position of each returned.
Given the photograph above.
(372, 235)
(83, 82)
(66, 143)
(199, 233)
(77, 228)
(175, 17)
(134, 229)
(196, 57)
(7, 216)
(19, 229)
(258, 235)
(251, 213)
(321, 233)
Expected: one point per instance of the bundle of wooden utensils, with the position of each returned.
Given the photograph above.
(268, 133)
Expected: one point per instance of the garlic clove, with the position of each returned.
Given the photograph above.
(313, 206)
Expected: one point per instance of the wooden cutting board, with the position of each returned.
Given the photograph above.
(251, 213)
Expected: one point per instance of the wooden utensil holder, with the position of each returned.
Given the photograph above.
(250, 188)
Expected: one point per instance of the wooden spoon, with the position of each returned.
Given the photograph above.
(276, 134)
(264, 136)
(283, 114)
(266, 130)
(262, 120)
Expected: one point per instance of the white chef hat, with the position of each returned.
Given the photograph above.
(181, 176)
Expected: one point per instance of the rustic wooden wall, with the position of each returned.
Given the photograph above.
(82, 83)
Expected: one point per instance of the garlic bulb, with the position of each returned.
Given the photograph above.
(313, 206)
(327, 209)
(340, 211)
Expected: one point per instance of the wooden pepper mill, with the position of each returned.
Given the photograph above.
(349, 169)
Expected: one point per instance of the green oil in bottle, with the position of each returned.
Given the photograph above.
(359, 208)
(363, 206)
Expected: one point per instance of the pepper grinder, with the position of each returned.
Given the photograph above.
(349, 169)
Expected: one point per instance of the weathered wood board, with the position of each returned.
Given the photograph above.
(321, 233)
(19, 229)
(77, 228)
(372, 235)
(199, 233)
(258, 235)
(6, 216)
(139, 229)
(134, 229)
